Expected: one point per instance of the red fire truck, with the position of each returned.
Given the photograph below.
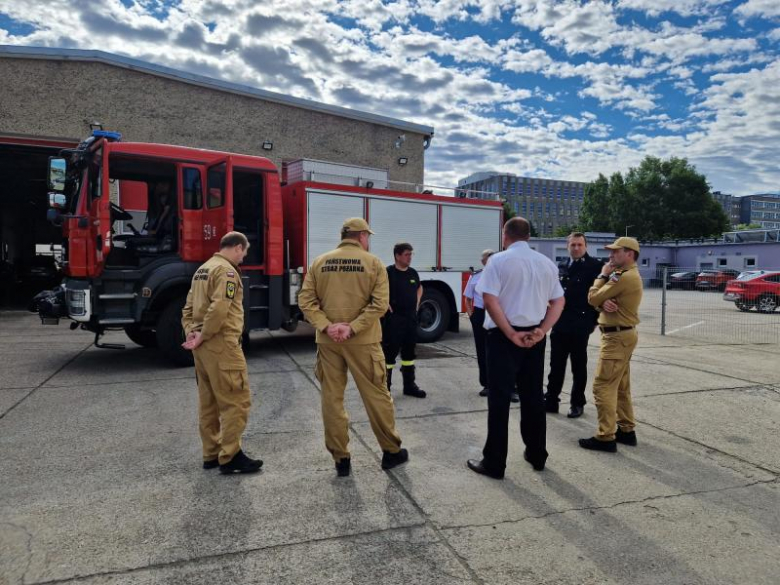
(138, 219)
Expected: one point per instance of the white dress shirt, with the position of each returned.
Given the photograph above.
(524, 281)
(471, 290)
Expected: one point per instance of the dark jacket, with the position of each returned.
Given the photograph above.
(578, 316)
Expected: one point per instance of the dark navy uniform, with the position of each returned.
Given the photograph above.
(399, 326)
(569, 336)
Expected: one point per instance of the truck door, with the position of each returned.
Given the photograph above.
(98, 206)
(217, 212)
(191, 213)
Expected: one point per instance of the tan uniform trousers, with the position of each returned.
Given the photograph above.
(366, 363)
(224, 402)
(612, 386)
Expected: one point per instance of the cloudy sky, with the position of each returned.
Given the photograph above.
(552, 88)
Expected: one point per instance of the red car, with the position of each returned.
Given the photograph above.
(757, 289)
(715, 279)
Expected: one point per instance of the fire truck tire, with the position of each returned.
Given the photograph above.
(170, 334)
(433, 316)
(142, 337)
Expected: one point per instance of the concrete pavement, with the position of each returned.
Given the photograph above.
(101, 480)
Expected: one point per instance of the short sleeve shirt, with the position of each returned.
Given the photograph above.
(471, 290)
(524, 281)
(403, 289)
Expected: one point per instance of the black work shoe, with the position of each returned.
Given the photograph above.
(211, 464)
(575, 412)
(535, 464)
(626, 438)
(415, 392)
(478, 467)
(483, 392)
(343, 467)
(390, 460)
(551, 407)
(595, 445)
(241, 464)
(515, 397)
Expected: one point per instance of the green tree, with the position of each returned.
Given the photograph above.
(509, 213)
(747, 226)
(595, 215)
(658, 199)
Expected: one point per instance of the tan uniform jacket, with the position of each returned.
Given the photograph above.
(346, 285)
(215, 303)
(623, 286)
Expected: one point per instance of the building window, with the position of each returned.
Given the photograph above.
(723, 262)
(750, 262)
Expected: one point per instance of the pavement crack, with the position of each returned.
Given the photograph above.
(28, 538)
(610, 506)
(39, 386)
(228, 555)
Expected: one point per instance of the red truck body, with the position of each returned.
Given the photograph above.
(121, 277)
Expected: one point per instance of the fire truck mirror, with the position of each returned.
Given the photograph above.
(57, 174)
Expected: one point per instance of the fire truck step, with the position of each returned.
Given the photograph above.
(116, 321)
(118, 296)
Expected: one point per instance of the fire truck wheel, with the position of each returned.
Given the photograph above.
(433, 316)
(143, 337)
(170, 334)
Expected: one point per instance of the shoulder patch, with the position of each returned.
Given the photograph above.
(412, 280)
(615, 277)
(231, 274)
(230, 290)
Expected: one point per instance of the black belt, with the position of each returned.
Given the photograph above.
(616, 328)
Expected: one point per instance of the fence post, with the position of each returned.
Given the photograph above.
(663, 300)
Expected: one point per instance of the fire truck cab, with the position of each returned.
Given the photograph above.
(131, 269)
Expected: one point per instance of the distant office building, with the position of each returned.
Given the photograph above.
(763, 209)
(547, 203)
(731, 205)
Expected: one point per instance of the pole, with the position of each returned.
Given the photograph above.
(663, 300)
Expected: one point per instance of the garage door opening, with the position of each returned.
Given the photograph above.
(29, 244)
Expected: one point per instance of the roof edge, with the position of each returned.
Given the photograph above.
(91, 55)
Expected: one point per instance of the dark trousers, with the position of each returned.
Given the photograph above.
(399, 333)
(562, 346)
(477, 319)
(507, 362)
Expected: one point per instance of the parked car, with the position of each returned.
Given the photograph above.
(759, 290)
(715, 279)
(682, 280)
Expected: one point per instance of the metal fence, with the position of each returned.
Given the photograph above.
(694, 304)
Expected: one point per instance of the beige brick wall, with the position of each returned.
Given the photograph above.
(52, 98)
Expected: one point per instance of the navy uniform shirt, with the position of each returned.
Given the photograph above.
(576, 279)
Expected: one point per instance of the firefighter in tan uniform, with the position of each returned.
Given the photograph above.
(344, 294)
(213, 321)
(616, 293)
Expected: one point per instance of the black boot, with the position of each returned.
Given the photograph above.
(410, 387)
(241, 464)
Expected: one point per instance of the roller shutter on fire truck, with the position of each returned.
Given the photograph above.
(404, 221)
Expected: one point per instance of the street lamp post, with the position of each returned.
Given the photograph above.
(628, 226)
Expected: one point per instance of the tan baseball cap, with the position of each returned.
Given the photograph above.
(355, 224)
(624, 242)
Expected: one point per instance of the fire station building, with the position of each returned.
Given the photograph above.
(53, 98)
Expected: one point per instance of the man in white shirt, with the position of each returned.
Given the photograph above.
(523, 300)
(475, 309)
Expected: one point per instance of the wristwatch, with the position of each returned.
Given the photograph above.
(604, 276)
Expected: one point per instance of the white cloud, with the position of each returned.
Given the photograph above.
(682, 7)
(758, 9)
